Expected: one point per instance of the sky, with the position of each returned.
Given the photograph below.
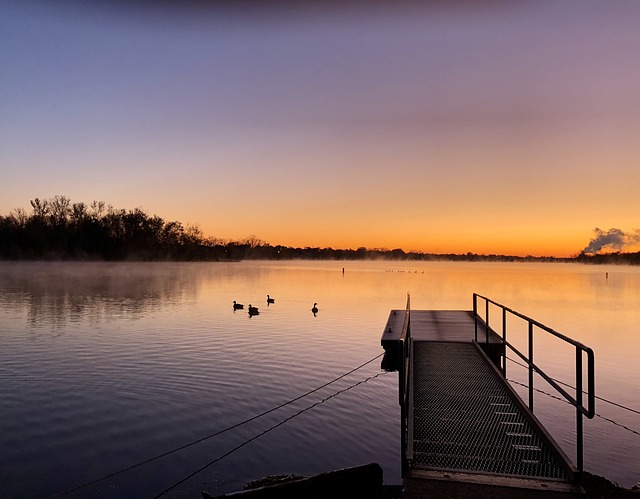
(485, 127)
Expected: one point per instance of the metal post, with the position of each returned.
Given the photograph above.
(403, 439)
(579, 429)
(475, 314)
(409, 409)
(591, 383)
(504, 342)
(401, 368)
(531, 366)
(486, 329)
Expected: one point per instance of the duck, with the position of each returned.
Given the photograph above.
(237, 306)
(315, 309)
(270, 300)
(253, 310)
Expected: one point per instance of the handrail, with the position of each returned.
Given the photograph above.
(576, 401)
(404, 388)
(405, 336)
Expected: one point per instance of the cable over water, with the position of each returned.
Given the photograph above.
(564, 400)
(220, 432)
(573, 387)
(220, 458)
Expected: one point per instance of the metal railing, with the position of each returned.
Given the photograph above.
(580, 350)
(405, 386)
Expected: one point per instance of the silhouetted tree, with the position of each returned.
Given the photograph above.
(56, 228)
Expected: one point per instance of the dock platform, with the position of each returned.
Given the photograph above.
(465, 430)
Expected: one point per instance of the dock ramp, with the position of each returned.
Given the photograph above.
(465, 431)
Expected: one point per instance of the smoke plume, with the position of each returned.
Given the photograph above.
(612, 239)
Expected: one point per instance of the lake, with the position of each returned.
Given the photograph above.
(106, 365)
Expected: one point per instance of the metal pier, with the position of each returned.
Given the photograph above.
(465, 418)
(464, 429)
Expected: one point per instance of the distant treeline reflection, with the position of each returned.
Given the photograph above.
(57, 229)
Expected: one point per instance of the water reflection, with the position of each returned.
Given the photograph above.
(55, 294)
(160, 349)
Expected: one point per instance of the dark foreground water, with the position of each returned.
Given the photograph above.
(103, 366)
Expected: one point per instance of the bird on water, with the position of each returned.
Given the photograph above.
(315, 309)
(270, 300)
(253, 310)
(237, 306)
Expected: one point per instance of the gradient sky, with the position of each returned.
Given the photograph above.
(511, 127)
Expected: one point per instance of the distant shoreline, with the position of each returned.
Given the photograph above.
(297, 254)
(59, 230)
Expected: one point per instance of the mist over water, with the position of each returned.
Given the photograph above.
(104, 365)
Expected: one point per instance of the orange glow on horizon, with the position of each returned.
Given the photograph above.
(559, 244)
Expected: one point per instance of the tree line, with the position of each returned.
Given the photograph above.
(58, 229)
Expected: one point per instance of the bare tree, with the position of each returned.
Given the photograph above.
(19, 217)
(40, 208)
(59, 210)
(98, 208)
(253, 241)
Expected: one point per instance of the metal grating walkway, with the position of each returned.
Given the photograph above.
(465, 419)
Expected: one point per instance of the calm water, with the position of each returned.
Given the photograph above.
(106, 365)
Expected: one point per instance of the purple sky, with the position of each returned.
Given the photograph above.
(510, 127)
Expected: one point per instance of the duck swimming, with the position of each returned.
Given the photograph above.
(253, 310)
(237, 306)
(270, 300)
(315, 309)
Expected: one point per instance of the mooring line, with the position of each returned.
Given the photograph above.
(220, 432)
(583, 391)
(566, 401)
(220, 458)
